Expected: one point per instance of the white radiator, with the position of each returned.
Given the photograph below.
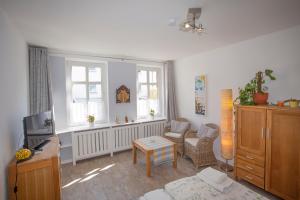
(87, 144)
(153, 128)
(123, 137)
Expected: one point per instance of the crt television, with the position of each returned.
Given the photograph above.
(37, 129)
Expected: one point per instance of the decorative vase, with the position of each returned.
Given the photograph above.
(294, 103)
(91, 124)
(261, 98)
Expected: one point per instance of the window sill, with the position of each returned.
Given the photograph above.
(106, 125)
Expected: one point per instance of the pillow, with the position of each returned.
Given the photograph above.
(206, 131)
(179, 127)
(157, 194)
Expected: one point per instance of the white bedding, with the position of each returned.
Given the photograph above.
(193, 188)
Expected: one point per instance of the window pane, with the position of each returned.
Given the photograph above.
(79, 91)
(97, 109)
(143, 93)
(94, 74)
(142, 76)
(153, 92)
(152, 76)
(78, 73)
(78, 112)
(153, 104)
(95, 91)
(142, 107)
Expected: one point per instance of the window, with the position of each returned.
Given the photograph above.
(87, 94)
(149, 91)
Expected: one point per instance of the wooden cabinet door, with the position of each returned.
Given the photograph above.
(283, 153)
(251, 130)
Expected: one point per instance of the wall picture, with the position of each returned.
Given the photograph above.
(123, 94)
(200, 95)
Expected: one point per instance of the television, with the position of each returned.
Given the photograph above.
(38, 129)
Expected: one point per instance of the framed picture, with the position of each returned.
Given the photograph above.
(200, 95)
(123, 94)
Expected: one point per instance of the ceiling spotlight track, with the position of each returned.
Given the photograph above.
(190, 24)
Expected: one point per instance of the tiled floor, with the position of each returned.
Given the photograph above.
(116, 178)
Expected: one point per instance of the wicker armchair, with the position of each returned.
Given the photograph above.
(178, 140)
(200, 150)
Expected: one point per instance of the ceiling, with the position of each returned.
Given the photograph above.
(140, 28)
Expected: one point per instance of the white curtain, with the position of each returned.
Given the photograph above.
(39, 80)
(170, 93)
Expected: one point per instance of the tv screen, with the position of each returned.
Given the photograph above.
(37, 129)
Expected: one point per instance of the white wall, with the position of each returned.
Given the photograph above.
(58, 79)
(14, 95)
(121, 73)
(233, 66)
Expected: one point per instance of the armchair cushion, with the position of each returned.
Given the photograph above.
(192, 141)
(206, 131)
(179, 127)
(173, 135)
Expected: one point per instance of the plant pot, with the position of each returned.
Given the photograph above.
(294, 103)
(261, 98)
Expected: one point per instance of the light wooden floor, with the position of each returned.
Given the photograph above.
(116, 178)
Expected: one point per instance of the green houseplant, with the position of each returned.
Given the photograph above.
(254, 92)
(91, 119)
(246, 94)
(261, 96)
(152, 113)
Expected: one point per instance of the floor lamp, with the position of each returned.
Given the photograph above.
(226, 128)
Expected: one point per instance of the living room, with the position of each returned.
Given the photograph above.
(146, 99)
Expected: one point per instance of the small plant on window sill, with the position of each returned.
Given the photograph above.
(152, 113)
(91, 120)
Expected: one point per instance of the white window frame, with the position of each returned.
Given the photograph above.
(69, 85)
(159, 83)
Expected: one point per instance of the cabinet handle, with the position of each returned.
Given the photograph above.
(250, 168)
(263, 133)
(248, 177)
(249, 157)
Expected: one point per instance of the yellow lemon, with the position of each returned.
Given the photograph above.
(23, 154)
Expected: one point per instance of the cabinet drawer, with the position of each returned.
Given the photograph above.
(243, 174)
(251, 158)
(253, 169)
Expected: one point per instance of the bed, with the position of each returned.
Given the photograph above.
(195, 188)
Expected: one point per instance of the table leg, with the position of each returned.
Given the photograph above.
(175, 156)
(134, 153)
(148, 164)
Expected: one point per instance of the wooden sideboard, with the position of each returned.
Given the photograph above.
(37, 178)
(267, 142)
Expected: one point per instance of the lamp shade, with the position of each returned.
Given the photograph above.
(226, 124)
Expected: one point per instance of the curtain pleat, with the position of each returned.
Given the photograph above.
(171, 96)
(39, 80)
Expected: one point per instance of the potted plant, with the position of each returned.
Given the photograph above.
(152, 113)
(91, 120)
(246, 93)
(254, 92)
(260, 96)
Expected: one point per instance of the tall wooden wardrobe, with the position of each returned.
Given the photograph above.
(267, 148)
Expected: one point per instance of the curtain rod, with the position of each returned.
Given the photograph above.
(69, 53)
